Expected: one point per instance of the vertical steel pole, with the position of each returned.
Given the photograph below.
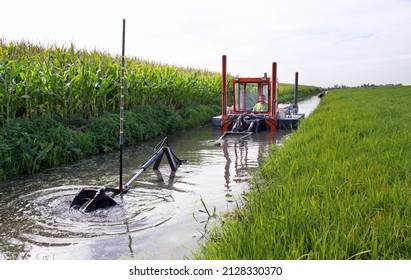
(224, 87)
(274, 87)
(122, 106)
(296, 89)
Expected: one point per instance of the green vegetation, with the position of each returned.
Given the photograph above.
(339, 187)
(36, 81)
(286, 92)
(61, 104)
(30, 145)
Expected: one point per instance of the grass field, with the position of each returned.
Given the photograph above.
(339, 187)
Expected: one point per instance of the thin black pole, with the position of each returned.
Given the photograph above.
(122, 106)
(296, 89)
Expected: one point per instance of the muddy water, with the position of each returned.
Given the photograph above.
(163, 216)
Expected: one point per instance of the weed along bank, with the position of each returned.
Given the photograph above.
(338, 187)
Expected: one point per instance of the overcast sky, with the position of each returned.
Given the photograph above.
(329, 42)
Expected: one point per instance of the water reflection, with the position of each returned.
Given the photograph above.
(243, 154)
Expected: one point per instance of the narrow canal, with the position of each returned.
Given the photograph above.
(163, 216)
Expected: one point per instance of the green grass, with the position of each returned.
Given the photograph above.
(339, 187)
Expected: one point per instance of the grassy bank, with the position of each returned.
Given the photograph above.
(31, 145)
(339, 188)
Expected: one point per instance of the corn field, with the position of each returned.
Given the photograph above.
(35, 80)
(64, 81)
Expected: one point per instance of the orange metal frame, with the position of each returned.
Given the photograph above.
(270, 116)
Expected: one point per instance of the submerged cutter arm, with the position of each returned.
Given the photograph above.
(156, 159)
(88, 200)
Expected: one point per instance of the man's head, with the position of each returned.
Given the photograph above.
(261, 98)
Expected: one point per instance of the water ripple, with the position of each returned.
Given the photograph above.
(49, 219)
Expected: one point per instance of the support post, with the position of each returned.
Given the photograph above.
(274, 88)
(122, 106)
(171, 158)
(224, 88)
(296, 90)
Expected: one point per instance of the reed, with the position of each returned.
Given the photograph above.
(339, 187)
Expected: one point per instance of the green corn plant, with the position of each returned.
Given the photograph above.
(37, 80)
